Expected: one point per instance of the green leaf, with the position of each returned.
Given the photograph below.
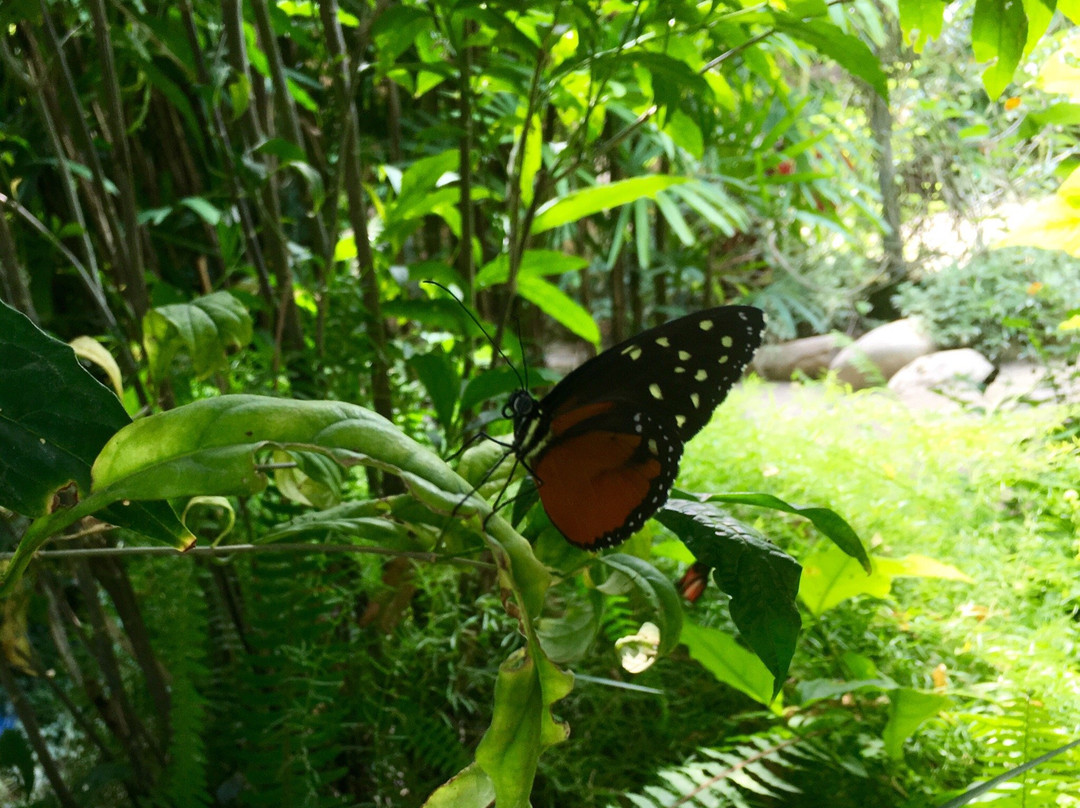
(998, 34)
(206, 327)
(439, 375)
(46, 448)
(210, 447)
(675, 219)
(469, 788)
(364, 520)
(534, 264)
(671, 78)
(579, 204)
(521, 727)
(531, 160)
(284, 150)
(316, 480)
(566, 639)
(556, 304)
(631, 572)
(494, 383)
(1038, 13)
(642, 233)
(847, 50)
(729, 662)
(921, 20)
(908, 709)
(1071, 9)
(828, 522)
(204, 209)
(830, 577)
(686, 133)
(762, 580)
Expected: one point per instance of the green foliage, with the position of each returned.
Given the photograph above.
(998, 512)
(48, 448)
(1004, 303)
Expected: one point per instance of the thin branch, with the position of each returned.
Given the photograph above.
(241, 549)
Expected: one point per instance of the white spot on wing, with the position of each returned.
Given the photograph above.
(680, 369)
(701, 375)
(695, 399)
(654, 389)
(684, 355)
(705, 325)
(663, 342)
(727, 342)
(634, 351)
(680, 421)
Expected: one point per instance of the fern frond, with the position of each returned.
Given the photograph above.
(748, 765)
(1017, 732)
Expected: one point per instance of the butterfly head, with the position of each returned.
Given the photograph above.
(523, 409)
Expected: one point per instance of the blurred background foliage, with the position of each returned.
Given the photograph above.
(244, 197)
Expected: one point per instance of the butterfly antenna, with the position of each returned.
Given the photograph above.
(483, 330)
(524, 360)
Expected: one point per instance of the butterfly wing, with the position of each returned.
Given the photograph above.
(680, 370)
(605, 443)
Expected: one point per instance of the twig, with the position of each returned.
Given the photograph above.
(231, 549)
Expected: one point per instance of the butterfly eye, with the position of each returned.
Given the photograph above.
(507, 411)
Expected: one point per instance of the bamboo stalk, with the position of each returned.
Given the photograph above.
(382, 394)
(135, 291)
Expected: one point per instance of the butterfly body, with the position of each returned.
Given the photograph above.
(605, 443)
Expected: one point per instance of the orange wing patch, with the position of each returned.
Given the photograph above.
(590, 485)
(566, 418)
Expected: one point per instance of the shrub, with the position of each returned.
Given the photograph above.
(1005, 303)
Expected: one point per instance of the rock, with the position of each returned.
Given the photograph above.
(943, 376)
(876, 356)
(1024, 383)
(810, 357)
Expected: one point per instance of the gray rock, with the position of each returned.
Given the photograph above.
(876, 356)
(941, 377)
(810, 356)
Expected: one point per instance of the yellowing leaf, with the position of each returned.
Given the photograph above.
(1052, 223)
(829, 577)
(919, 566)
(91, 350)
(1060, 72)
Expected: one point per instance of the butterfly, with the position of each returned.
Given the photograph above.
(604, 445)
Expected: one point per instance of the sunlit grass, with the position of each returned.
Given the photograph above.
(989, 494)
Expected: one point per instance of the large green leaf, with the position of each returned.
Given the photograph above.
(729, 662)
(440, 377)
(534, 263)
(555, 303)
(830, 523)
(48, 447)
(579, 204)
(847, 50)
(830, 577)
(998, 34)
(762, 580)
(521, 726)
(908, 709)
(633, 573)
(206, 328)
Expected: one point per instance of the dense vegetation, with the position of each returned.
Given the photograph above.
(228, 210)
